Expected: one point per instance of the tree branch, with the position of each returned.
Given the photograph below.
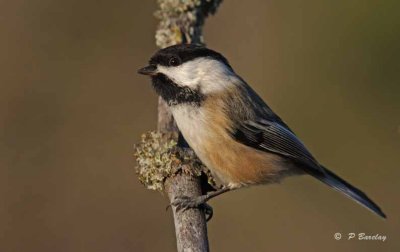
(162, 164)
(182, 21)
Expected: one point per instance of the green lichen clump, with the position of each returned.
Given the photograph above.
(181, 20)
(155, 160)
(158, 158)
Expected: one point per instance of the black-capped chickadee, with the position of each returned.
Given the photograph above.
(230, 128)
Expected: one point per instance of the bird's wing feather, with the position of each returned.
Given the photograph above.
(273, 137)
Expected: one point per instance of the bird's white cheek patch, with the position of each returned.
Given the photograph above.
(206, 74)
(181, 75)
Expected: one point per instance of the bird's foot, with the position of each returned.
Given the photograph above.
(184, 203)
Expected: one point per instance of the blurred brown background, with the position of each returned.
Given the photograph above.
(72, 106)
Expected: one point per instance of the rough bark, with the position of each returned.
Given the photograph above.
(190, 225)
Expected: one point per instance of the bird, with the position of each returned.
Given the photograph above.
(234, 133)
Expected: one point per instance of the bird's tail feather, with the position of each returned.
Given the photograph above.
(342, 186)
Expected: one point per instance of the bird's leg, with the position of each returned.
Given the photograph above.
(183, 203)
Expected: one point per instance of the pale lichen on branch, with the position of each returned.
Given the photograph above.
(158, 158)
(181, 21)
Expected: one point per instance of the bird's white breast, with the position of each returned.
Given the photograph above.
(192, 122)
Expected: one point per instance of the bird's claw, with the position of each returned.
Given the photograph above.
(184, 203)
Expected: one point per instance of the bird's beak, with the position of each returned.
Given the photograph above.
(148, 70)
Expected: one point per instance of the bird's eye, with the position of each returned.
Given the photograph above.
(174, 61)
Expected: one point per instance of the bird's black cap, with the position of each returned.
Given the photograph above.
(178, 54)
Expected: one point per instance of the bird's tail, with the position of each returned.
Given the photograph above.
(350, 191)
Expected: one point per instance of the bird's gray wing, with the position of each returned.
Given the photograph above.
(273, 137)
